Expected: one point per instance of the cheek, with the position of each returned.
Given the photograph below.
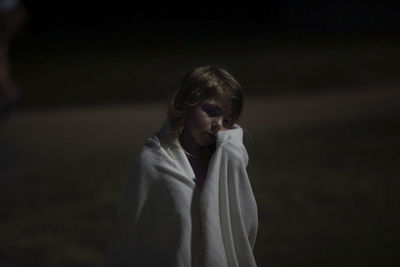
(197, 122)
(204, 121)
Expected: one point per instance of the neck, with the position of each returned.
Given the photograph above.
(189, 144)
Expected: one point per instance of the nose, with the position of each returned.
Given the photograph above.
(216, 125)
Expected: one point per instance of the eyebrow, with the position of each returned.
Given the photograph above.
(212, 102)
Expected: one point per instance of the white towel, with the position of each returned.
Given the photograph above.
(166, 221)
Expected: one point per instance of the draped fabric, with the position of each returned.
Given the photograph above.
(165, 220)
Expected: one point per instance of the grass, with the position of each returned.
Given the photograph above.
(327, 196)
(61, 213)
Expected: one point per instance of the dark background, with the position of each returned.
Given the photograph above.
(207, 19)
(91, 47)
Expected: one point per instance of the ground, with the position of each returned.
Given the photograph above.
(323, 167)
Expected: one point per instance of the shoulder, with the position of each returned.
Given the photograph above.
(151, 150)
(150, 157)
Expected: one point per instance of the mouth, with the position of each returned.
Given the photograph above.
(211, 135)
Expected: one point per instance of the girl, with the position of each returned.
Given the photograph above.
(188, 201)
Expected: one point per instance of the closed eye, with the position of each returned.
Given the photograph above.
(211, 111)
(215, 111)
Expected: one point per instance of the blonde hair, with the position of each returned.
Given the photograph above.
(195, 85)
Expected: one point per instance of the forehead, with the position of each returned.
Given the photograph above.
(218, 102)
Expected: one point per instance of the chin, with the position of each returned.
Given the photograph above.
(208, 144)
(207, 140)
(204, 141)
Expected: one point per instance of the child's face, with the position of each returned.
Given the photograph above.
(204, 120)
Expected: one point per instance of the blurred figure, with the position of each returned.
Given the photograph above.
(12, 17)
